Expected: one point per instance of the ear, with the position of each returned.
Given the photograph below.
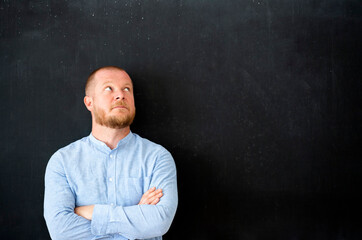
(88, 102)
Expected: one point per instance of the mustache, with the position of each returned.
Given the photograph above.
(120, 104)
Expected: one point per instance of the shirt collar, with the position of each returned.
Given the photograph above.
(104, 148)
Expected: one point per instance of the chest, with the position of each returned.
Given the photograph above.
(103, 180)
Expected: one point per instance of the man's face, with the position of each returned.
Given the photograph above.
(113, 101)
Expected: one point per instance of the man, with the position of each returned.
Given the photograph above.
(112, 184)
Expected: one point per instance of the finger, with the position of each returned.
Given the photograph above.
(155, 201)
(143, 199)
(155, 198)
(148, 196)
(150, 190)
(151, 197)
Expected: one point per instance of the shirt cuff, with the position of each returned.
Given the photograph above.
(100, 219)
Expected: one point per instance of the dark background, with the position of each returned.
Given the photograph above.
(258, 101)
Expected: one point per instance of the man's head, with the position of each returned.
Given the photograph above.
(109, 97)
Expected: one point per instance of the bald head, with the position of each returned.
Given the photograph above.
(91, 81)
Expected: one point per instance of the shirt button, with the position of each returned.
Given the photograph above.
(111, 155)
(110, 179)
(112, 204)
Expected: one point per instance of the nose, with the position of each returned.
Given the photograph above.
(119, 95)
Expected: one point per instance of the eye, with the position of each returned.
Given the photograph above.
(108, 89)
(127, 89)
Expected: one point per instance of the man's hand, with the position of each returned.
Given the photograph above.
(151, 197)
(85, 211)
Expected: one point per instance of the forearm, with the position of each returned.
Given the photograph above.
(140, 221)
(151, 197)
(60, 218)
(59, 203)
(67, 225)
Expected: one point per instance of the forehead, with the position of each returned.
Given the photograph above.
(114, 76)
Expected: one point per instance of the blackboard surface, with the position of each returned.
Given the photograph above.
(258, 101)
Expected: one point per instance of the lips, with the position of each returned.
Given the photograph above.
(120, 106)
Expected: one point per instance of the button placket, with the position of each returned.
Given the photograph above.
(110, 179)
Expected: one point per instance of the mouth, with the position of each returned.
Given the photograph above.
(119, 107)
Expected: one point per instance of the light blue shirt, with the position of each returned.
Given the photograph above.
(88, 172)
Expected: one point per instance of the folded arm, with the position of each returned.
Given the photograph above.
(59, 203)
(151, 197)
(139, 221)
(142, 221)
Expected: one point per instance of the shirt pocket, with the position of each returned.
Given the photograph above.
(131, 189)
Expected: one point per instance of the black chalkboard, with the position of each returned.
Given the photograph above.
(258, 101)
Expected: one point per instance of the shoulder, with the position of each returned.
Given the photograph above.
(70, 150)
(148, 145)
(151, 153)
(74, 146)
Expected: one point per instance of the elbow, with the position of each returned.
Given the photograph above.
(156, 229)
(57, 235)
(56, 231)
(164, 226)
(167, 217)
(50, 225)
(60, 226)
(164, 222)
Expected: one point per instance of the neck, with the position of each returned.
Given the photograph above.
(110, 136)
